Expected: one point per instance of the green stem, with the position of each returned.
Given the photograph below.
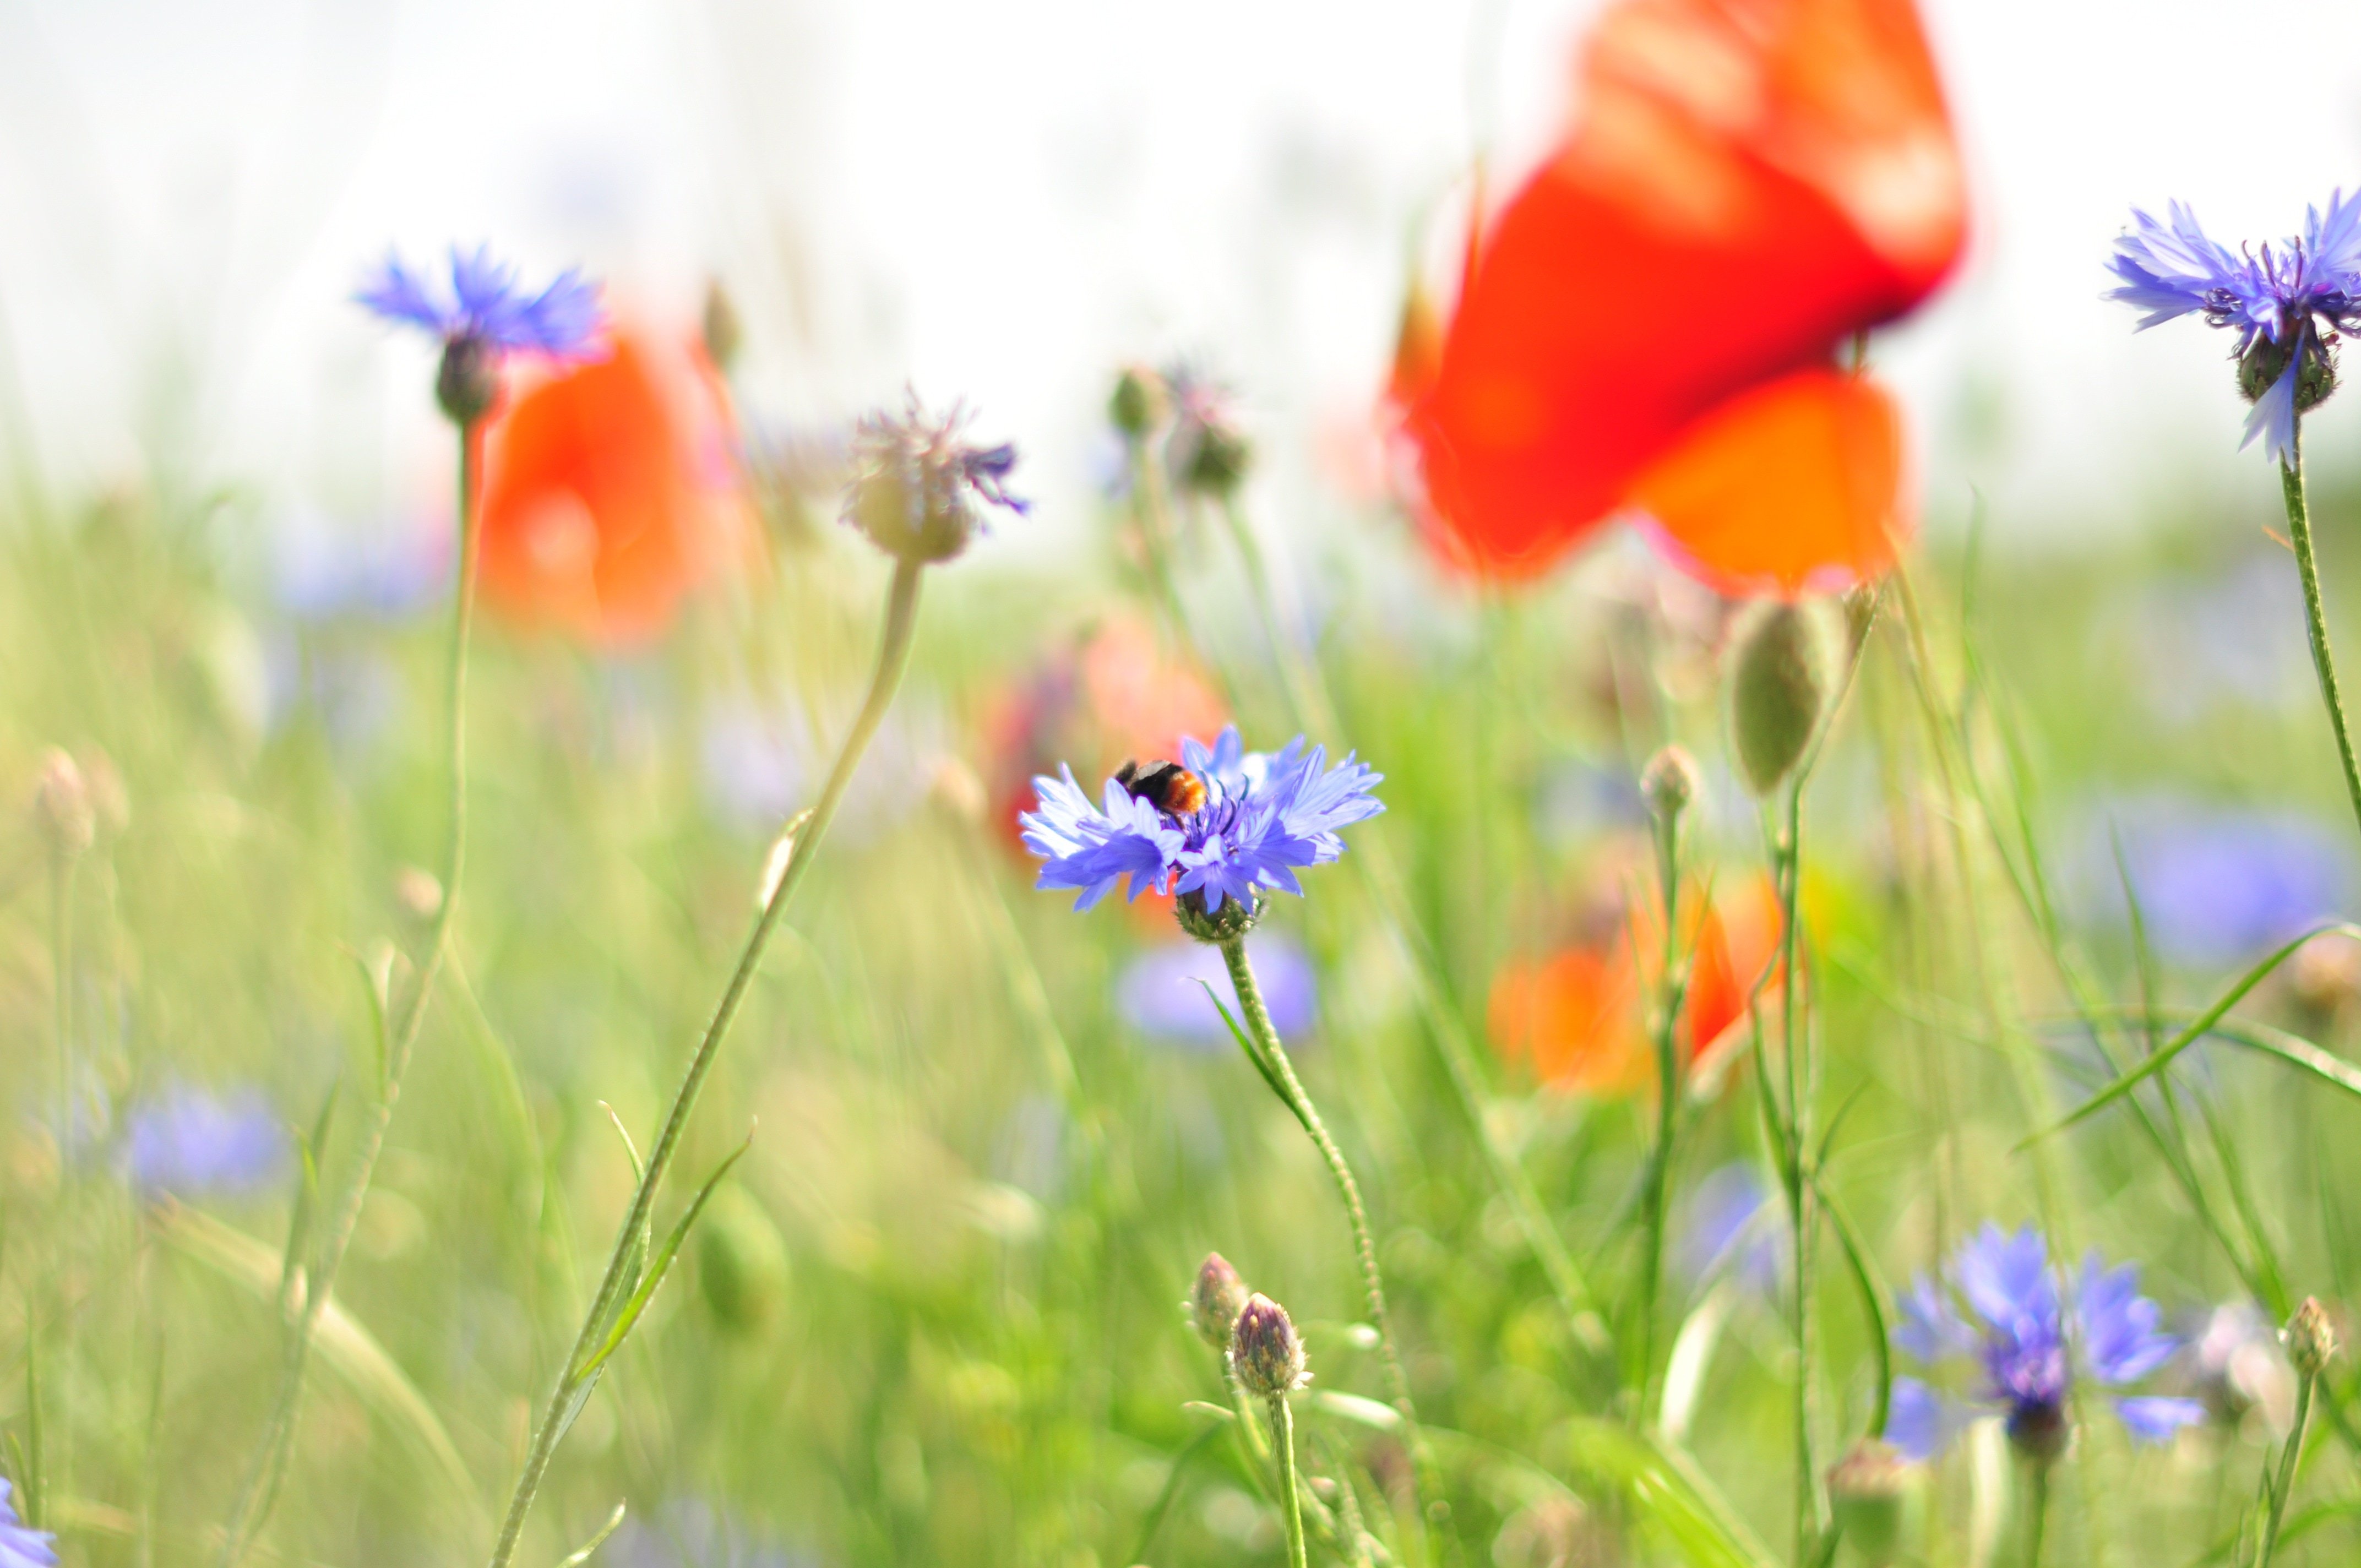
(1258, 1024)
(2315, 618)
(893, 656)
(268, 1465)
(2286, 1483)
(1802, 1211)
(1282, 1438)
(1668, 1088)
(2037, 1514)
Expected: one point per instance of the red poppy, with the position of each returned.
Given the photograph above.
(1652, 322)
(1579, 1015)
(611, 490)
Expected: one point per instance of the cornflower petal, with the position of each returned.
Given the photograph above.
(2120, 1338)
(1930, 1331)
(396, 293)
(485, 305)
(2273, 416)
(2006, 1279)
(2154, 1419)
(1920, 1422)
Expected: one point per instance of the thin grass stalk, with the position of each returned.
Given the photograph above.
(268, 1467)
(892, 657)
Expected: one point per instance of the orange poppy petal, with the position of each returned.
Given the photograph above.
(1795, 486)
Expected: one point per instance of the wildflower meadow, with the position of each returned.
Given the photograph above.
(1580, 956)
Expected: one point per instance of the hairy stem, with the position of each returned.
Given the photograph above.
(268, 1465)
(2286, 1482)
(1290, 1508)
(893, 656)
(2315, 618)
(1665, 1030)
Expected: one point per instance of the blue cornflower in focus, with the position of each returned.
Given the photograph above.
(187, 1142)
(483, 316)
(2029, 1340)
(1161, 993)
(21, 1546)
(1223, 824)
(2287, 304)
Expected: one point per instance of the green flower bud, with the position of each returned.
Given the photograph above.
(2260, 368)
(2310, 1338)
(1215, 1305)
(1669, 782)
(742, 1264)
(1867, 1489)
(1782, 668)
(1266, 1353)
(725, 334)
(1139, 403)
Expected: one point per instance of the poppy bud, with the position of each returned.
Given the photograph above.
(1139, 403)
(724, 333)
(2310, 1338)
(2259, 369)
(1669, 782)
(1232, 920)
(1215, 1305)
(742, 1264)
(1266, 1353)
(62, 805)
(1867, 1489)
(1782, 666)
(468, 383)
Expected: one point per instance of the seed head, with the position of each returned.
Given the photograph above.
(1670, 783)
(1265, 1354)
(1783, 665)
(62, 805)
(2310, 1338)
(1216, 1301)
(916, 486)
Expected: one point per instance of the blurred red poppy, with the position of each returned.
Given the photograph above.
(1652, 322)
(1579, 1015)
(611, 488)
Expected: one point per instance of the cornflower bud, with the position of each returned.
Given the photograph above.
(1867, 1489)
(1266, 1353)
(467, 383)
(1233, 919)
(1782, 667)
(1216, 1301)
(915, 485)
(2310, 1338)
(1670, 783)
(62, 805)
(1210, 455)
(1139, 403)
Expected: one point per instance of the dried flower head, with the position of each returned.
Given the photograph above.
(483, 317)
(62, 805)
(1266, 1353)
(1216, 1301)
(915, 485)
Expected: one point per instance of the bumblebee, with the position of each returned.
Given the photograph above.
(1168, 787)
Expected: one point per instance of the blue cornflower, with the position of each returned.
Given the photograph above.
(2028, 1339)
(19, 1546)
(187, 1142)
(2287, 305)
(483, 316)
(1246, 821)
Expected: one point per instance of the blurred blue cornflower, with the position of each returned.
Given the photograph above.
(2028, 1339)
(21, 1546)
(2216, 884)
(1733, 1230)
(1161, 993)
(486, 306)
(691, 1533)
(187, 1142)
(1244, 821)
(2287, 305)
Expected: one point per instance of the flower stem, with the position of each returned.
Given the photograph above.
(1670, 988)
(269, 1466)
(1811, 1504)
(2038, 1516)
(2286, 1482)
(1282, 1073)
(892, 657)
(1282, 1438)
(2315, 618)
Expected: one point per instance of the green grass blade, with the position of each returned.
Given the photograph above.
(659, 1263)
(581, 1554)
(1670, 1492)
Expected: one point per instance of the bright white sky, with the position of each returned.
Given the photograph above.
(1000, 201)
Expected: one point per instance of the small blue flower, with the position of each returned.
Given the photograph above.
(2216, 884)
(485, 306)
(2295, 298)
(1734, 1231)
(2028, 1339)
(1265, 816)
(1161, 993)
(187, 1142)
(21, 1546)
